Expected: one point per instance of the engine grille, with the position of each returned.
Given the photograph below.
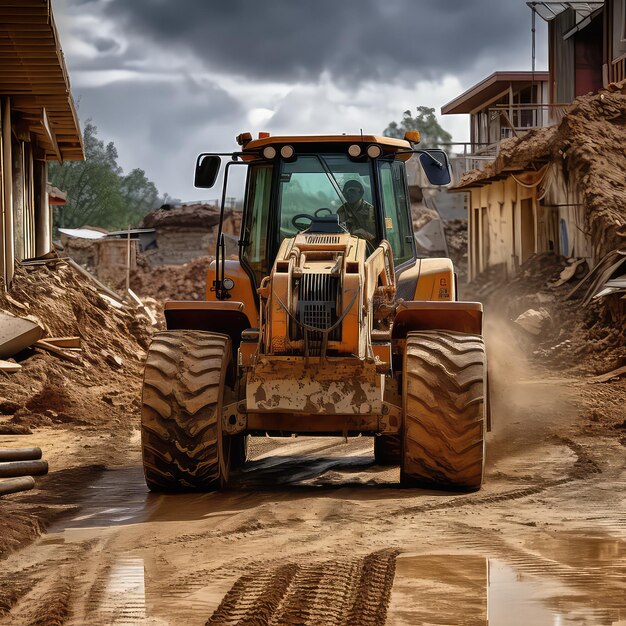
(317, 307)
(322, 239)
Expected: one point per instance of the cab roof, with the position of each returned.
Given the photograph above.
(389, 144)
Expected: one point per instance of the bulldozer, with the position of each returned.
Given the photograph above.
(326, 323)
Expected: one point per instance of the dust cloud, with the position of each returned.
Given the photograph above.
(527, 404)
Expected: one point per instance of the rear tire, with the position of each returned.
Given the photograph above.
(444, 410)
(388, 449)
(181, 428)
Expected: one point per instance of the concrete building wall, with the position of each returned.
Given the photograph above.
(502, 226)
(523, 214)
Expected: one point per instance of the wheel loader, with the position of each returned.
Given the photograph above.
(326, 324)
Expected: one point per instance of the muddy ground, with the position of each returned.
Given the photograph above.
(312, 532)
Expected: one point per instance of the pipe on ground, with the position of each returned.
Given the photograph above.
(13, 485)
(19, 454)
(11, 469)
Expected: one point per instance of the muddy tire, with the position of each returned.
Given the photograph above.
(238, 451)
(444, 410)
(181, 435)
(388, 449)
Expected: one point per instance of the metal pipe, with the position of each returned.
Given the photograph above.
(532, 28)
(19, 454)
(23, 468)
(13, 485)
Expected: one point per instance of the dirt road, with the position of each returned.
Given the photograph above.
(312, 532)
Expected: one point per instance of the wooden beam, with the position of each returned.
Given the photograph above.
(50, 135)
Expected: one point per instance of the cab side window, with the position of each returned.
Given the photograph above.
(397, 210)
(254, 250)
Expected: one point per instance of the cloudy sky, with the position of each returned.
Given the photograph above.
(166, 80)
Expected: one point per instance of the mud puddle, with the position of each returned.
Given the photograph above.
(472, 590)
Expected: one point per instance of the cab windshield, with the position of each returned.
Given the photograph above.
(305, 187)
(316, 185)
(284, 196)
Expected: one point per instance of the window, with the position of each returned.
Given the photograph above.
(311, 183)
(396, 205)
(254, 234)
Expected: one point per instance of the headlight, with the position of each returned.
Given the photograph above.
(287, 152)
(269, 152)
(374, 151)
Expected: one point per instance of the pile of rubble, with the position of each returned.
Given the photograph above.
(456, 237)
(171, 282)
(85, 358)
(557, 324)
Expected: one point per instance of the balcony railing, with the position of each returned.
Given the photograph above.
(518, 118)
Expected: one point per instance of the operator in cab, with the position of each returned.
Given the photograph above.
(356, 214)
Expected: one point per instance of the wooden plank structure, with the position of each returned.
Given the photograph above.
(38, 123)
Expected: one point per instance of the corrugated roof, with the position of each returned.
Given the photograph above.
(33, 73)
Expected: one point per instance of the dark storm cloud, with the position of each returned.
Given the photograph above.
(382, 40)
(159, 109)
(161, 127)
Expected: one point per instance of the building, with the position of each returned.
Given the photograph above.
(38, 124)
(184, 233)
(558, 189)
(532, 192)
(503, 105)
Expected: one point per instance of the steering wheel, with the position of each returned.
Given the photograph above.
(296, 219)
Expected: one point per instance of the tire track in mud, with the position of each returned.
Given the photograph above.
(324, 593)
(584, 468)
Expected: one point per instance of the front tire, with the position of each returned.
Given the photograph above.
(183, 447)
(444, 410)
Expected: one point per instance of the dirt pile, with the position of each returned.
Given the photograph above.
(171, 282)
(49, 390)
(183, 216)
(573, 337)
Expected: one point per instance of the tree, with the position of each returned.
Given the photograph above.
(425, 122)
(98, 192)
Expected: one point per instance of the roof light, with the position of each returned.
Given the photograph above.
(287, 152)
(263, 135)
(413, 136)
(244, 138)
(354, 150)
(374, 151)
(269, 152)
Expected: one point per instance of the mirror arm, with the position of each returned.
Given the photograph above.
(220, 245)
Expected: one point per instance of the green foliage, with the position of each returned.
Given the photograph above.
(98, 191)
(426, 122)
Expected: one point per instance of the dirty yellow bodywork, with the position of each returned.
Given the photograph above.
(334, 386)
(388, 144)
(321, 366)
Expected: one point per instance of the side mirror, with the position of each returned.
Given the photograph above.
(436, 166)
(207, 169)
